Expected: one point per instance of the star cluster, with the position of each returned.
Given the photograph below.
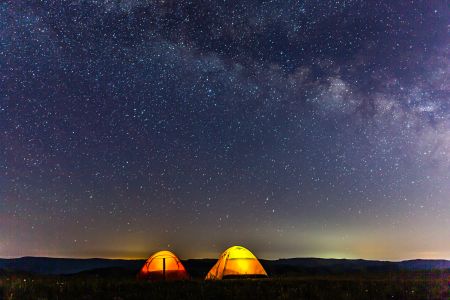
(297, 128)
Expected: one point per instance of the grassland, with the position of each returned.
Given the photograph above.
(418, 285)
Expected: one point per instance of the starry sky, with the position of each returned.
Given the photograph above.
(294, 128)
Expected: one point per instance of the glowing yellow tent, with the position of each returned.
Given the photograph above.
(163, 265)
(236, 262)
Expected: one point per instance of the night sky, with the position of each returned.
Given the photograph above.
(293, 128)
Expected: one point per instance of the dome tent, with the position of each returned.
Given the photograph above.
(163, 265)
(236, 262)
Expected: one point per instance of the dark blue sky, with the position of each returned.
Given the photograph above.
(295, 128)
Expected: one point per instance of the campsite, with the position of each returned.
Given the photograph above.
(236, 274)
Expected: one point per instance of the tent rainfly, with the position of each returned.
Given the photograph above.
(163, 265)
(236, 262)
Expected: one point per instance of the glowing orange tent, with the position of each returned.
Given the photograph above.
(236, 262)
(163, 265)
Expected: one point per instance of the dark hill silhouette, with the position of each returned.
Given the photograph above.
(424, 264)
(48, 265)
(197, 268)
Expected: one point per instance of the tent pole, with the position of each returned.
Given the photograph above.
(164, 268)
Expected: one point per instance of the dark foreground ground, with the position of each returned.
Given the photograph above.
(401, 285)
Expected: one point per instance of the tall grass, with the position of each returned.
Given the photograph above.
(390, 286)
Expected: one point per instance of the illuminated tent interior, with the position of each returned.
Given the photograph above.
(163, 265)
(236, 262)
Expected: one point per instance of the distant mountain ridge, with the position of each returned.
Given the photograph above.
(54, 266)
(283, 267)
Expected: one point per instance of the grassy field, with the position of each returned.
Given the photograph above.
(434, 285)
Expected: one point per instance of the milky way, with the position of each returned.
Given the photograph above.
(295, 128)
